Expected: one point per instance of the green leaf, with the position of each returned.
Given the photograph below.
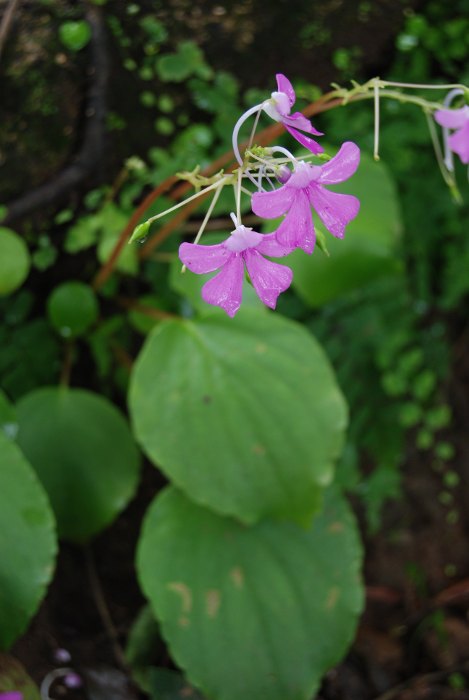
(14, 261)
(27, 542)
(14, 677)
(72, 308)
(258, 612)
(368, 250)
(187, 60)
(75, 35)
(82, 450)
(8, 420)
(244, 415)
(170, 685)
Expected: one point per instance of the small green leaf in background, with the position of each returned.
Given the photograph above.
(14, 261)
(14, 677)
(243, 414)
(27, 543)
(75, 35)
(186, 61)
(72, 308)
(259, 612)
(81, 448)
(368, 249)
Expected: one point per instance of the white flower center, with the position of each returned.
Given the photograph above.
(242, 238)
(304, 174)
(278, 106)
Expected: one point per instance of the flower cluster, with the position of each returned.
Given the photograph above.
(302, 188)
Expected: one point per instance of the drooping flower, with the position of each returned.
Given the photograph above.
(244, 247)
(457, 119)
(305, 188)
(279, 107)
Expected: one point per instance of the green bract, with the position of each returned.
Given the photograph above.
(27, 542)
(258, 612)
(244, 415)
(82, 450)
(14, 261)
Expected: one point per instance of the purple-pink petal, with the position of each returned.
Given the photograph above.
(305, 140)
(299, 121)
(272, 247)
(269, 279)
(459, 143)
(203, 258)
(11, 695)
(341, 166)
(269, 205)
(226, 288)
(335, 210)
(452, 118)
(297, 229)
(284, 85)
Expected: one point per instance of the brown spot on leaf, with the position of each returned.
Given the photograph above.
(185, 594)
(336, 527)
(212, 602)
(237, 576)
(258, 449)
(332, 598)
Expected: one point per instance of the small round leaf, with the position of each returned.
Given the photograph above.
(75, 35)
(14, 261)
(72, 308)
(259, 612)
(27, 542)
(83, 452)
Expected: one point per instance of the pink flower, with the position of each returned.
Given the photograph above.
(456, 119)
(304, 189)
(243, 247)
(279, 107)
(11, 695)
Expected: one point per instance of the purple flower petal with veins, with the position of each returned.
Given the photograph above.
(456, 119)
(244, 247)
(279, 108)
(305, 188)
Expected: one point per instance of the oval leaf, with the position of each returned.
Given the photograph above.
(257, 612)
(27, 542)
(83, 452)
(245, 416)
(14, 261)
(72, 308)
(368, 250)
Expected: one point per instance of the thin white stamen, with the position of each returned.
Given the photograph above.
(189, 199)
(376, 136)
(237, 127)
(206, 218)
(51, 677)
(285, 151)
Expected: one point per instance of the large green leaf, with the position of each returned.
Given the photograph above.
(83, 452)
(258, 612)
(27, 542)
(368, 250)
(244, 415)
